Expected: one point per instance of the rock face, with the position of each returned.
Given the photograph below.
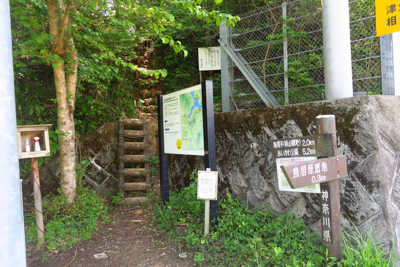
(101, 172)
(368, 131)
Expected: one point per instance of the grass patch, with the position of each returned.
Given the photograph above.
(244, 237)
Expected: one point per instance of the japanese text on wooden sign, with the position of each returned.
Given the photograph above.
(326, 216)
(315, 145)
(283, 183)
(207, 185)
(387, 16)
(317, 171)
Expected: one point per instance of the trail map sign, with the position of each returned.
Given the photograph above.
(387, 16)
(209, 58)
(314, 145)
(183, 122)
(283, 182)
(316, 171)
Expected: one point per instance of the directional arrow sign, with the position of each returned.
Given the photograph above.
(316, 171)
(320, 145)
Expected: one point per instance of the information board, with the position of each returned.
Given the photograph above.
(207, 185)
(209, 58)
(283, 182)
(387, 16)
(183, 122)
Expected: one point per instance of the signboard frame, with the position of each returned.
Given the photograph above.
(172, 121)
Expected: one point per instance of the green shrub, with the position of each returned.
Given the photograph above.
(66, 224)
(244, 236)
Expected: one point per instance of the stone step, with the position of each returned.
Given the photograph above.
(134, 172)
(133, 200)
(135, 186)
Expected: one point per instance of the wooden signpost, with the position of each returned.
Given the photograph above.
(324, 171)
(207, 187)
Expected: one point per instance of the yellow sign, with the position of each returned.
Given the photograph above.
(179, 144)
(387, 16)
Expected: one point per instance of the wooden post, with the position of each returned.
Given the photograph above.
(121, 157)
(38, 200)
(330, 201)
(201, 79)
(207, 214)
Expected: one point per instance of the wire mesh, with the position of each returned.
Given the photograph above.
(259, 38)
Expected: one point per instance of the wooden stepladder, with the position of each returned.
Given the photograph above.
(134, 169)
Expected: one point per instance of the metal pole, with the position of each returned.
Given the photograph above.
(164, 180)
(330, 221)
(390, 63)
(337, 50)
(210, 160)
(285, 54)
(12, 236)
(226, 69)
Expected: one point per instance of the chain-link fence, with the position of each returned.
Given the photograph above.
(282, 43)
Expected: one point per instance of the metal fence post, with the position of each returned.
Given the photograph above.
(390, 63)
(226, 69)
(285, 54)
(12, 235)
(337, 50)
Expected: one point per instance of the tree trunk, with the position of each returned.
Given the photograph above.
(65, 78)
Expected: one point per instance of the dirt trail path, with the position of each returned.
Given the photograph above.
(128, 240)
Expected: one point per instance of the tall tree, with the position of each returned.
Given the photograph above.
(54, 36)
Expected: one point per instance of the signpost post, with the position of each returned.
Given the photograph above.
(207, 189)
(325, 171)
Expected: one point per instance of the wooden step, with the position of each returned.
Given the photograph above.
(133, 133)
(133, 200)
(135, 145)
(133, 158)
(134, 171)
(135, 186)
(134, 122)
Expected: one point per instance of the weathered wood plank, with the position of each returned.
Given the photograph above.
(135, 186)
(134, 145)
(134, 133)
(134, 158)
(134, 171)
(134, 200)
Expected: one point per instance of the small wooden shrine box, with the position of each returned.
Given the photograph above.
(26, 134)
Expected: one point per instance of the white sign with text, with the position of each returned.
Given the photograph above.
(207, 185)
(209, 58)
(283, 182)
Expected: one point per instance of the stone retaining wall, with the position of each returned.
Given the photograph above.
(368, 131)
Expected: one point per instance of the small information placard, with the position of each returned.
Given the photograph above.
(284, 184)
(209, 58)
(207, 185)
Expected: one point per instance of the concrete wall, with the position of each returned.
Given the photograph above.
(368, 131)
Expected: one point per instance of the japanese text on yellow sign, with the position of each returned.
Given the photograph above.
(387, 16)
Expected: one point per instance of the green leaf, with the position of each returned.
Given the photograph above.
(185, 53)
(218, 1)
(165, 40)
(170, 17)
